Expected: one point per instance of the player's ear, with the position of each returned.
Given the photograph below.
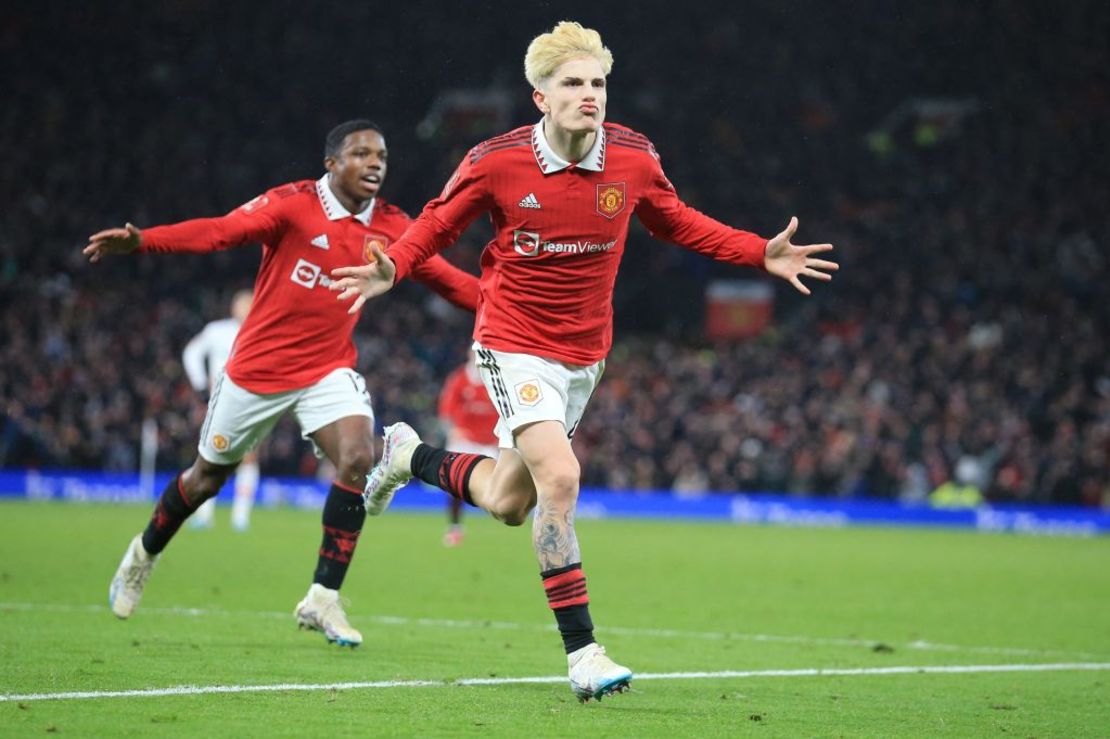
(540, 99)
(329, 164)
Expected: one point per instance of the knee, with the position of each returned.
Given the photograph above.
(200, 482)
(512, 511)
(559, 486)
(354, 461)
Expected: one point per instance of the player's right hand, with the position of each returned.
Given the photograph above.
(792, 261)
(365, 281)
(113, 241)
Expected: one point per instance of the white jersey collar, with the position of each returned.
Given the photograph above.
(550, 162)
(334, 209)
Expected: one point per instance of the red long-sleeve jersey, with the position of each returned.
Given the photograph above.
(297, 331)
(548, 275)
(465, 404)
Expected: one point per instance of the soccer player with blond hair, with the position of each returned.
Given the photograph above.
(560, 194)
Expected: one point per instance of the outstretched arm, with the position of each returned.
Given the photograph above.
(792, 262)
(259, 220)
(113, 241)
(666, 216)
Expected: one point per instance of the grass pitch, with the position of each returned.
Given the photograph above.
(697, 601)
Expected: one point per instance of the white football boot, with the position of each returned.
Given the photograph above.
(127, 586)
(393, 470)
(593, 675)
(321, 611)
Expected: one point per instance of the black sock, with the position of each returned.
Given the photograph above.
(342, 521)
(170, 512)
(448, 471)
(567, 597)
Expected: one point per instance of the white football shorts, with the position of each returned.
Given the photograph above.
(526, 389)
(238, 419)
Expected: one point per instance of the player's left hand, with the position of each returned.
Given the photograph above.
(791, 262)
(113, 241)
(365, 281)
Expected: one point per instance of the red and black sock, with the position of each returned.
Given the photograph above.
(567, 597)
(343, 518)
(170, 512)
(448, 471)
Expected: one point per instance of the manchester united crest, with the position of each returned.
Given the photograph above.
(372, 240)
(528, 392)
(610, 199)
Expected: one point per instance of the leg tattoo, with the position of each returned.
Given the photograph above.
(553, 537)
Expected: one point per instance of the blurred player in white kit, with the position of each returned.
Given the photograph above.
(204, 358)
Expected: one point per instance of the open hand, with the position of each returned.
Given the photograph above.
(365, 281)
(791, 262)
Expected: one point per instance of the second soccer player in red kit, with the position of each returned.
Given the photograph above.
(469, 419)
(294, 353)
(560, 194)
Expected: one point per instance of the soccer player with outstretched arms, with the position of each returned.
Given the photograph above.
(560, 194)
(294, 353)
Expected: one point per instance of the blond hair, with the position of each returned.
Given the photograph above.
(568, 40)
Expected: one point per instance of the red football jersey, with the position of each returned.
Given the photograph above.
(297, 331)
(465, 404)
(548, 275)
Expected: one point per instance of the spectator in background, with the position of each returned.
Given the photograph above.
(1012, 183)
(962, 492)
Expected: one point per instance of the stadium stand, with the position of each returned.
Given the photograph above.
(960, 184)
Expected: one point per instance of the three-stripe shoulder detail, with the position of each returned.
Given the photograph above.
(518, 137)
(627, 138)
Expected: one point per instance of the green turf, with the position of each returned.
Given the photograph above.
(668, 597)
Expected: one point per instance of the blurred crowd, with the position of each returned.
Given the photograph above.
(948, 149)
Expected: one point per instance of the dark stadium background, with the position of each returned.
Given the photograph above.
(954, 151)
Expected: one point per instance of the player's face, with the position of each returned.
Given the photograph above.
(359, 169)
(575, 95)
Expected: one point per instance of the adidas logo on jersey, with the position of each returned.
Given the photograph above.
(321, 241)
(529, 201)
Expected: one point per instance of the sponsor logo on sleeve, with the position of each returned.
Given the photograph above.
(260, 202)
(528, 392)
(610, 199)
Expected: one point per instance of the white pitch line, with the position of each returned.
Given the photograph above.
(446, 623)
(484, 681)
